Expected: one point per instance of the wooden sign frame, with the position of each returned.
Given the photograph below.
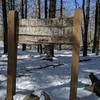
(12, 54)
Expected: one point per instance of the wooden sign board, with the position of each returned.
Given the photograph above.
(45, 29)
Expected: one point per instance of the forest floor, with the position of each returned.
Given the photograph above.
(34, 73)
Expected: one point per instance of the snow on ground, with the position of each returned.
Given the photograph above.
(36, 74)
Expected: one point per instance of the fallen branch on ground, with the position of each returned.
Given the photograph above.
(48, 66)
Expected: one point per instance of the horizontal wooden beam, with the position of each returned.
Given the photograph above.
(46, 22)
(38, 39)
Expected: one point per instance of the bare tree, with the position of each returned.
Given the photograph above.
(61, 8)
(37, 12)
(5, 27)
(52, 14)
(95, 42)
(22, 8)
(95, 33)
(52, 9)
(11, 4)
(46, 8)
(76, 4)
(98, 29)
(23, 15)
(26, 8)
(86, 23)
(38, 15)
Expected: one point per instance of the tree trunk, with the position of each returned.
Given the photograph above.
(52, 9)
(61, 8)
(38, 12)
(95, 33)
(98, 30)
(11, 4)
(46, 8)
(5, 27)
(49, 50)
(52, 14)
(86, 23)
(24, 15)
(23, 47)
(26, 9)
(61, 15)
(75, 3)
(40, 49)
(22, 8)
(38, 15)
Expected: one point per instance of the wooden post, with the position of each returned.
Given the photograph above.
(75, 53)
(12, 54)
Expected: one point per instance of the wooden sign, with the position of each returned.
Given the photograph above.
(12, 52)
(40, 29)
